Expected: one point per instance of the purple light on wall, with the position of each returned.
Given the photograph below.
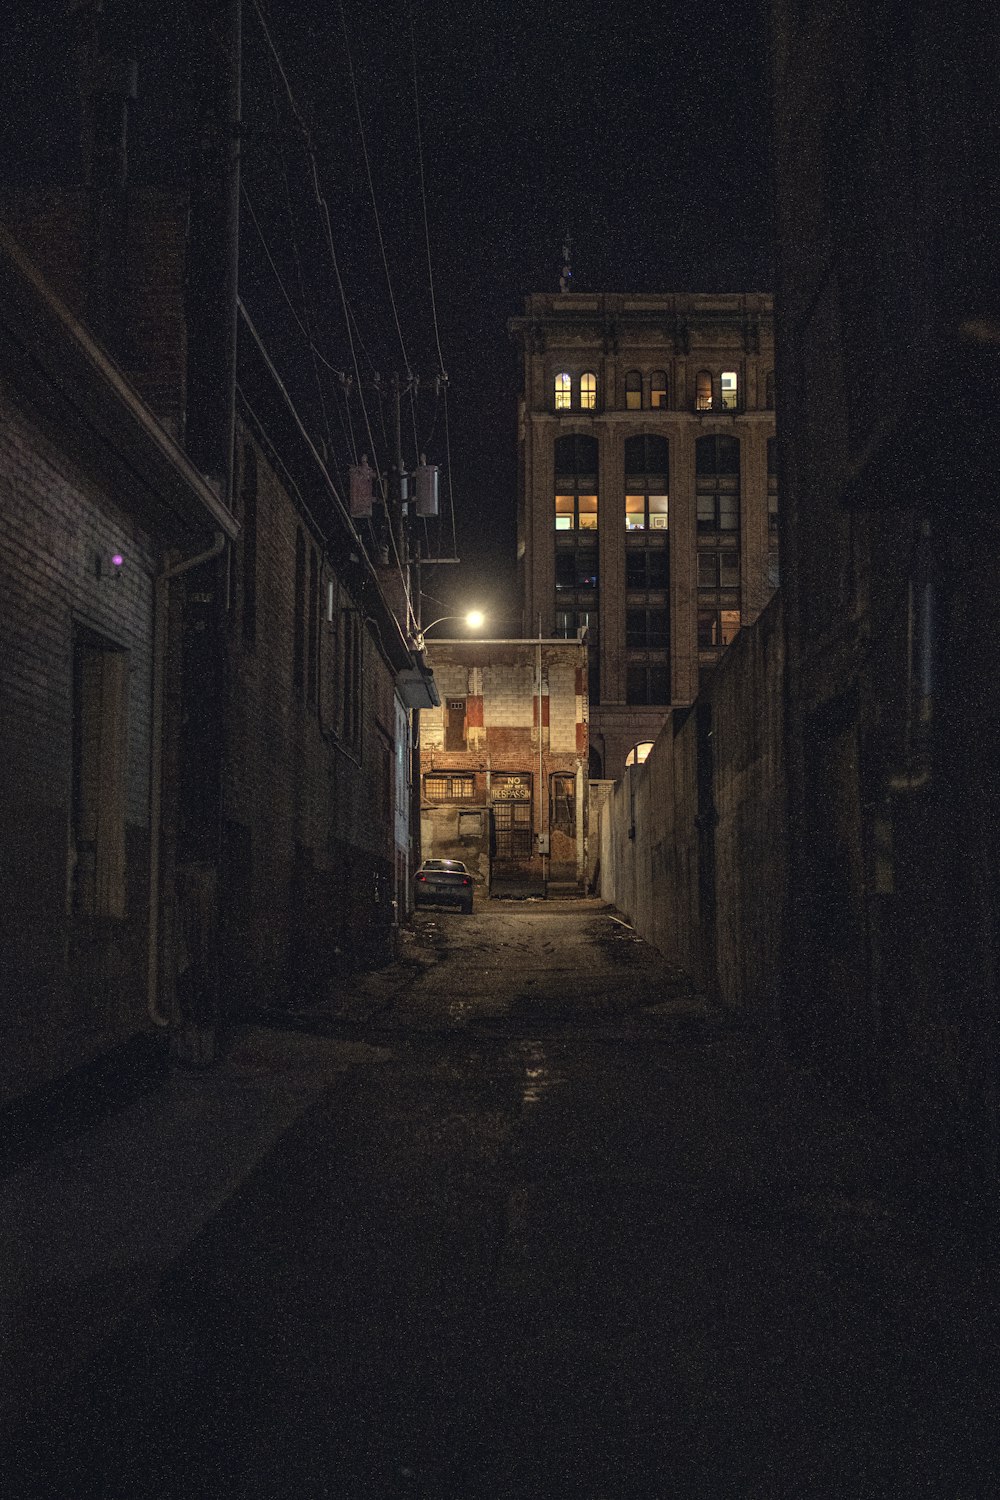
(117, 559)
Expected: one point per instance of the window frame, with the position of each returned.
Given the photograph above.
(560, 391)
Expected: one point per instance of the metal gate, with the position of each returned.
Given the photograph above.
(512, 827)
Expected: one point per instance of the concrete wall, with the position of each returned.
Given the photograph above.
(693, 841)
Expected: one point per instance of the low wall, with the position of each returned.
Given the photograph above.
(693, 842)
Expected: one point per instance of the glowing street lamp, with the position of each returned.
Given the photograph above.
(475, 620)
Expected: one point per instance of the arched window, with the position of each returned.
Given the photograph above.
(633, 391)
(729, 386)
(639, 753)
(769, 390)
(564, 391)
(717, 470)
(647, 483)
(588, 391)
(576, 483)
(703, 391)
(658, 390)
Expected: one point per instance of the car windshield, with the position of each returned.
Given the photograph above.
(443, 864)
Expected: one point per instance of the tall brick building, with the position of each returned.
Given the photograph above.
(503, 762)
(647, 507)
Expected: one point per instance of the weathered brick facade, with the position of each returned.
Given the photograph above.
(84, 479)
(506, 797)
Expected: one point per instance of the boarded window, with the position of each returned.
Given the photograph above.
(454, 724)
(100, 747)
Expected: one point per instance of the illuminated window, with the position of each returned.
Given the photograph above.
(576, 483)
(639, 754)
(633, 391)
(729, 388)
(658, 390)
(647, 475)
(703, 391)
(646, 512)
(450, 788)
(576, 512)
(564, 391)
(717, 627)
(588, 391)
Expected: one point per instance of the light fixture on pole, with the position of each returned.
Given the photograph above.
(475, 619)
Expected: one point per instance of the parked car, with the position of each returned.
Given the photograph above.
(444, 881)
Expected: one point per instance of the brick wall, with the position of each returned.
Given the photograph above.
(312, 801)
(58, 525)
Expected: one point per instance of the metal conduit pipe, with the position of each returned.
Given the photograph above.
(160, 608)
(915, 772)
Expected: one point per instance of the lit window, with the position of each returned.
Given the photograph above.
(639, 754)
(646, 512)
(703, 391)
(586, 512)
(633, 391)
(564, 391)
(588, 391)
(450, 788)
(717, 627)
(728, 386)
(576, 512)
(658, 390)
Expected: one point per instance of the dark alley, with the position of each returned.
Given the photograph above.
(544, 1224)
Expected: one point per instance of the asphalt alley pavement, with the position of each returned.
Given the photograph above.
(517, 1217)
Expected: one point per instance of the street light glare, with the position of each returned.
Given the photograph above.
(475, 618)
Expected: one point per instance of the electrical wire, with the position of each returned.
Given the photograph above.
(282, 288)
(324, 211)
(423, 193)
(371, 186)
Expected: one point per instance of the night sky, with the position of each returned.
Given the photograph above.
(642, 129)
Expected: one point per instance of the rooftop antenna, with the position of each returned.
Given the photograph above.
(566, 279)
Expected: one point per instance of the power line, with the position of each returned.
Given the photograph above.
(324, 212)
(423, 193)
(371, 185)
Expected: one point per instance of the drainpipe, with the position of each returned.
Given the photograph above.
(915, 772)
(160, 605)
